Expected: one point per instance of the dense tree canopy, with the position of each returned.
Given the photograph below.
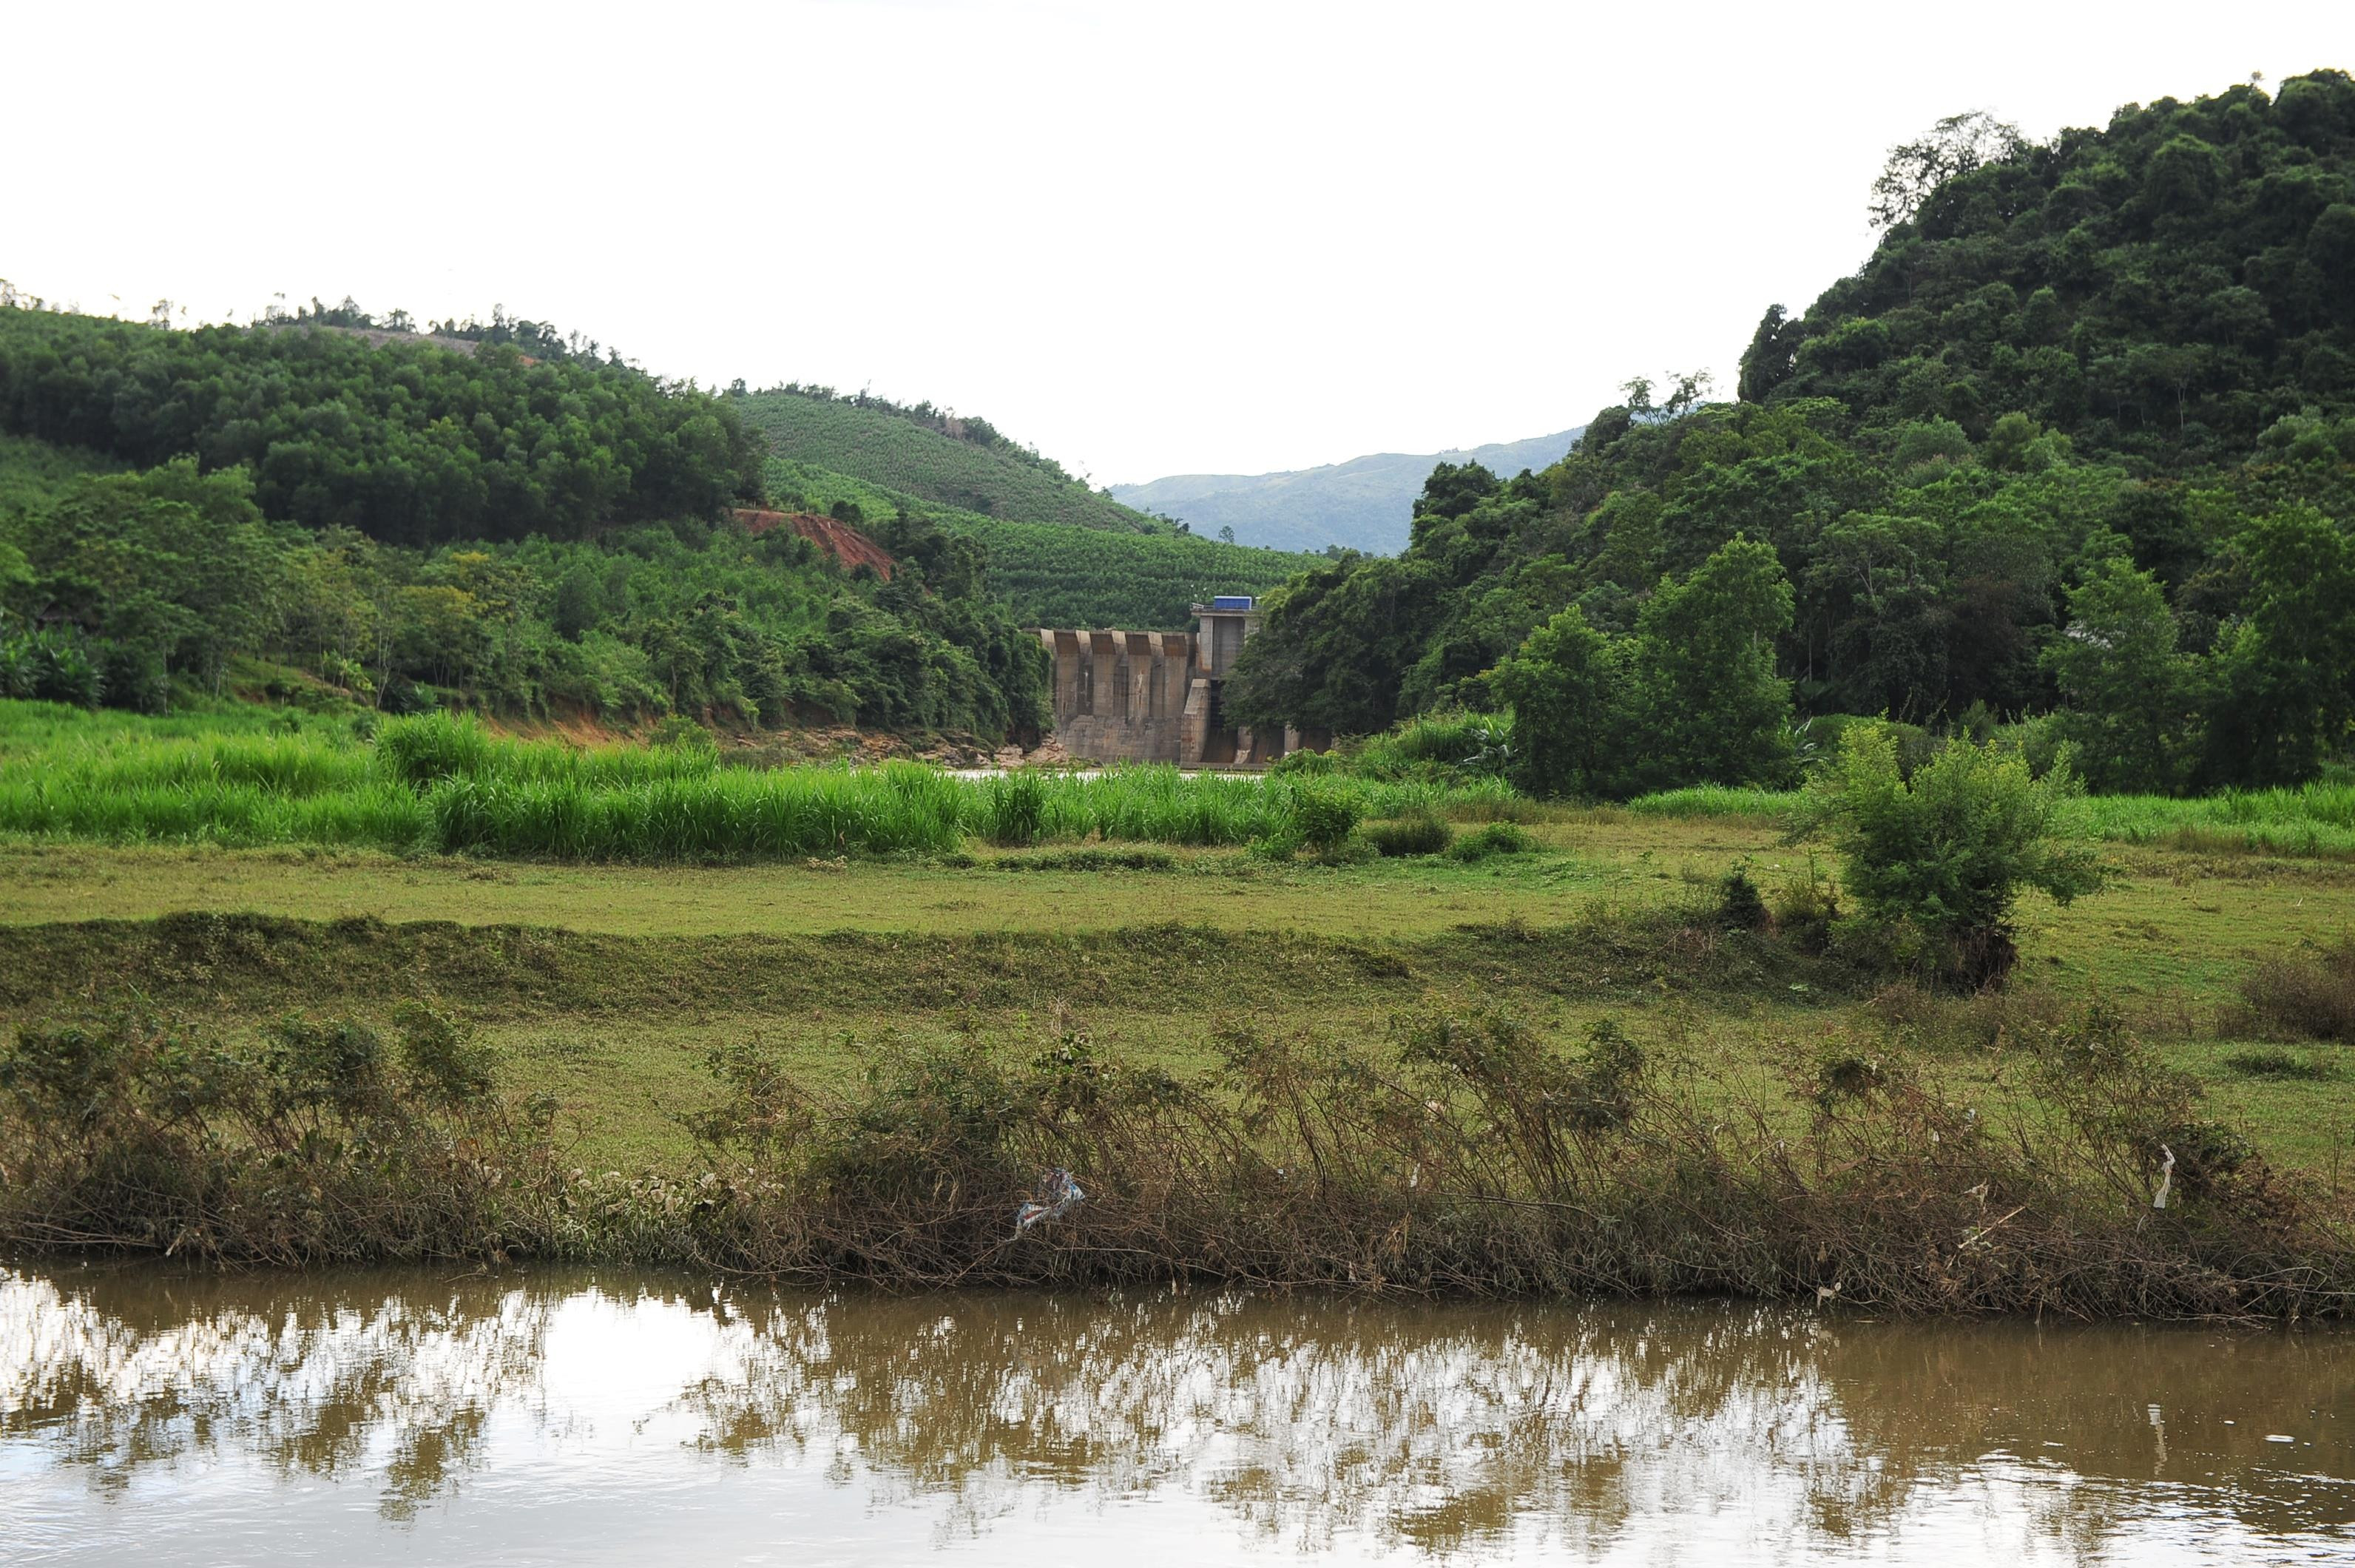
(409, 441)
(2080, 436)
(112, 585)
(2161, 292)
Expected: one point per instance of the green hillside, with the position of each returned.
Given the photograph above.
(909, 450)
(2075, 449)
(1051, 574)
(144, 589)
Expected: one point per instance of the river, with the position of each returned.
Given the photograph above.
(162, 1418)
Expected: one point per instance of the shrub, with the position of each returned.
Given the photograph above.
(1495, 838)
(1739, 902)
(133, 677)
(1409, 836)
(50, 667)
(1947, 853)
(1803, 912)
(1323, 815)
(2307, 995)
(319, 1145)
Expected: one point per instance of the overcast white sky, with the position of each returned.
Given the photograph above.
(1150, 238)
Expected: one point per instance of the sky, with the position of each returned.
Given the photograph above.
(1148, 238)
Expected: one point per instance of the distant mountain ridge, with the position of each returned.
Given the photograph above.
(1363, 504)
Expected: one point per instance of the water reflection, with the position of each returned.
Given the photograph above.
(579, 1417)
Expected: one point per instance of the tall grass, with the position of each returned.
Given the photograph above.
(1461, 1153)
(2316, 819)
(1719, 801)
(437, 782)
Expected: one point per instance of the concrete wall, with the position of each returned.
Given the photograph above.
(1153, 697)
(1120, 696)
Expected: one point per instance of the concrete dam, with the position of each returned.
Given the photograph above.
(1154, 696)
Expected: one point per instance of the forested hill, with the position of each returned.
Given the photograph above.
(2161, 292)
(407, 442)
(962, 462)
(334, 505)
(1364, 504)
(2074, 452)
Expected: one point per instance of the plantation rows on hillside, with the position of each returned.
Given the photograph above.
(1051, 574)
(887, 448)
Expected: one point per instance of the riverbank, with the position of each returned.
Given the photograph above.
(1304, 1075)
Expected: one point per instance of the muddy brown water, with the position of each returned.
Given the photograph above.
(613, 1417)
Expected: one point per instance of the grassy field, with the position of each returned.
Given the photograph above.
(609, 986)
(1137, 924)
(437, 784)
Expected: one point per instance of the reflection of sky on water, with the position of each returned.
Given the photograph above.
(372, 1418)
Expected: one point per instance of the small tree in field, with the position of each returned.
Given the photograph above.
(1945, 855)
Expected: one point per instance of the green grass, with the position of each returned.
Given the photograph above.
(2317, 820)
(437, 784)
(1719, 801)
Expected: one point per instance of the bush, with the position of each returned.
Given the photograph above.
(1804, 914)
(1495, 838)
(1947, 852)
(50, 667)
(2307, 995)
(1323, 815)
(1739, 902)
(319, 1144)
(133, 678)
(1409, 836)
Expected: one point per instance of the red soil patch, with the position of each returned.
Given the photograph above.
(832, 535)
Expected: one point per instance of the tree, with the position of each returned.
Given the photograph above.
(1691, 697)
(1954, 146)
(2286, 674)
(1939, 861)
(1718, 712)
(1571, 691)
(2132, 700)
